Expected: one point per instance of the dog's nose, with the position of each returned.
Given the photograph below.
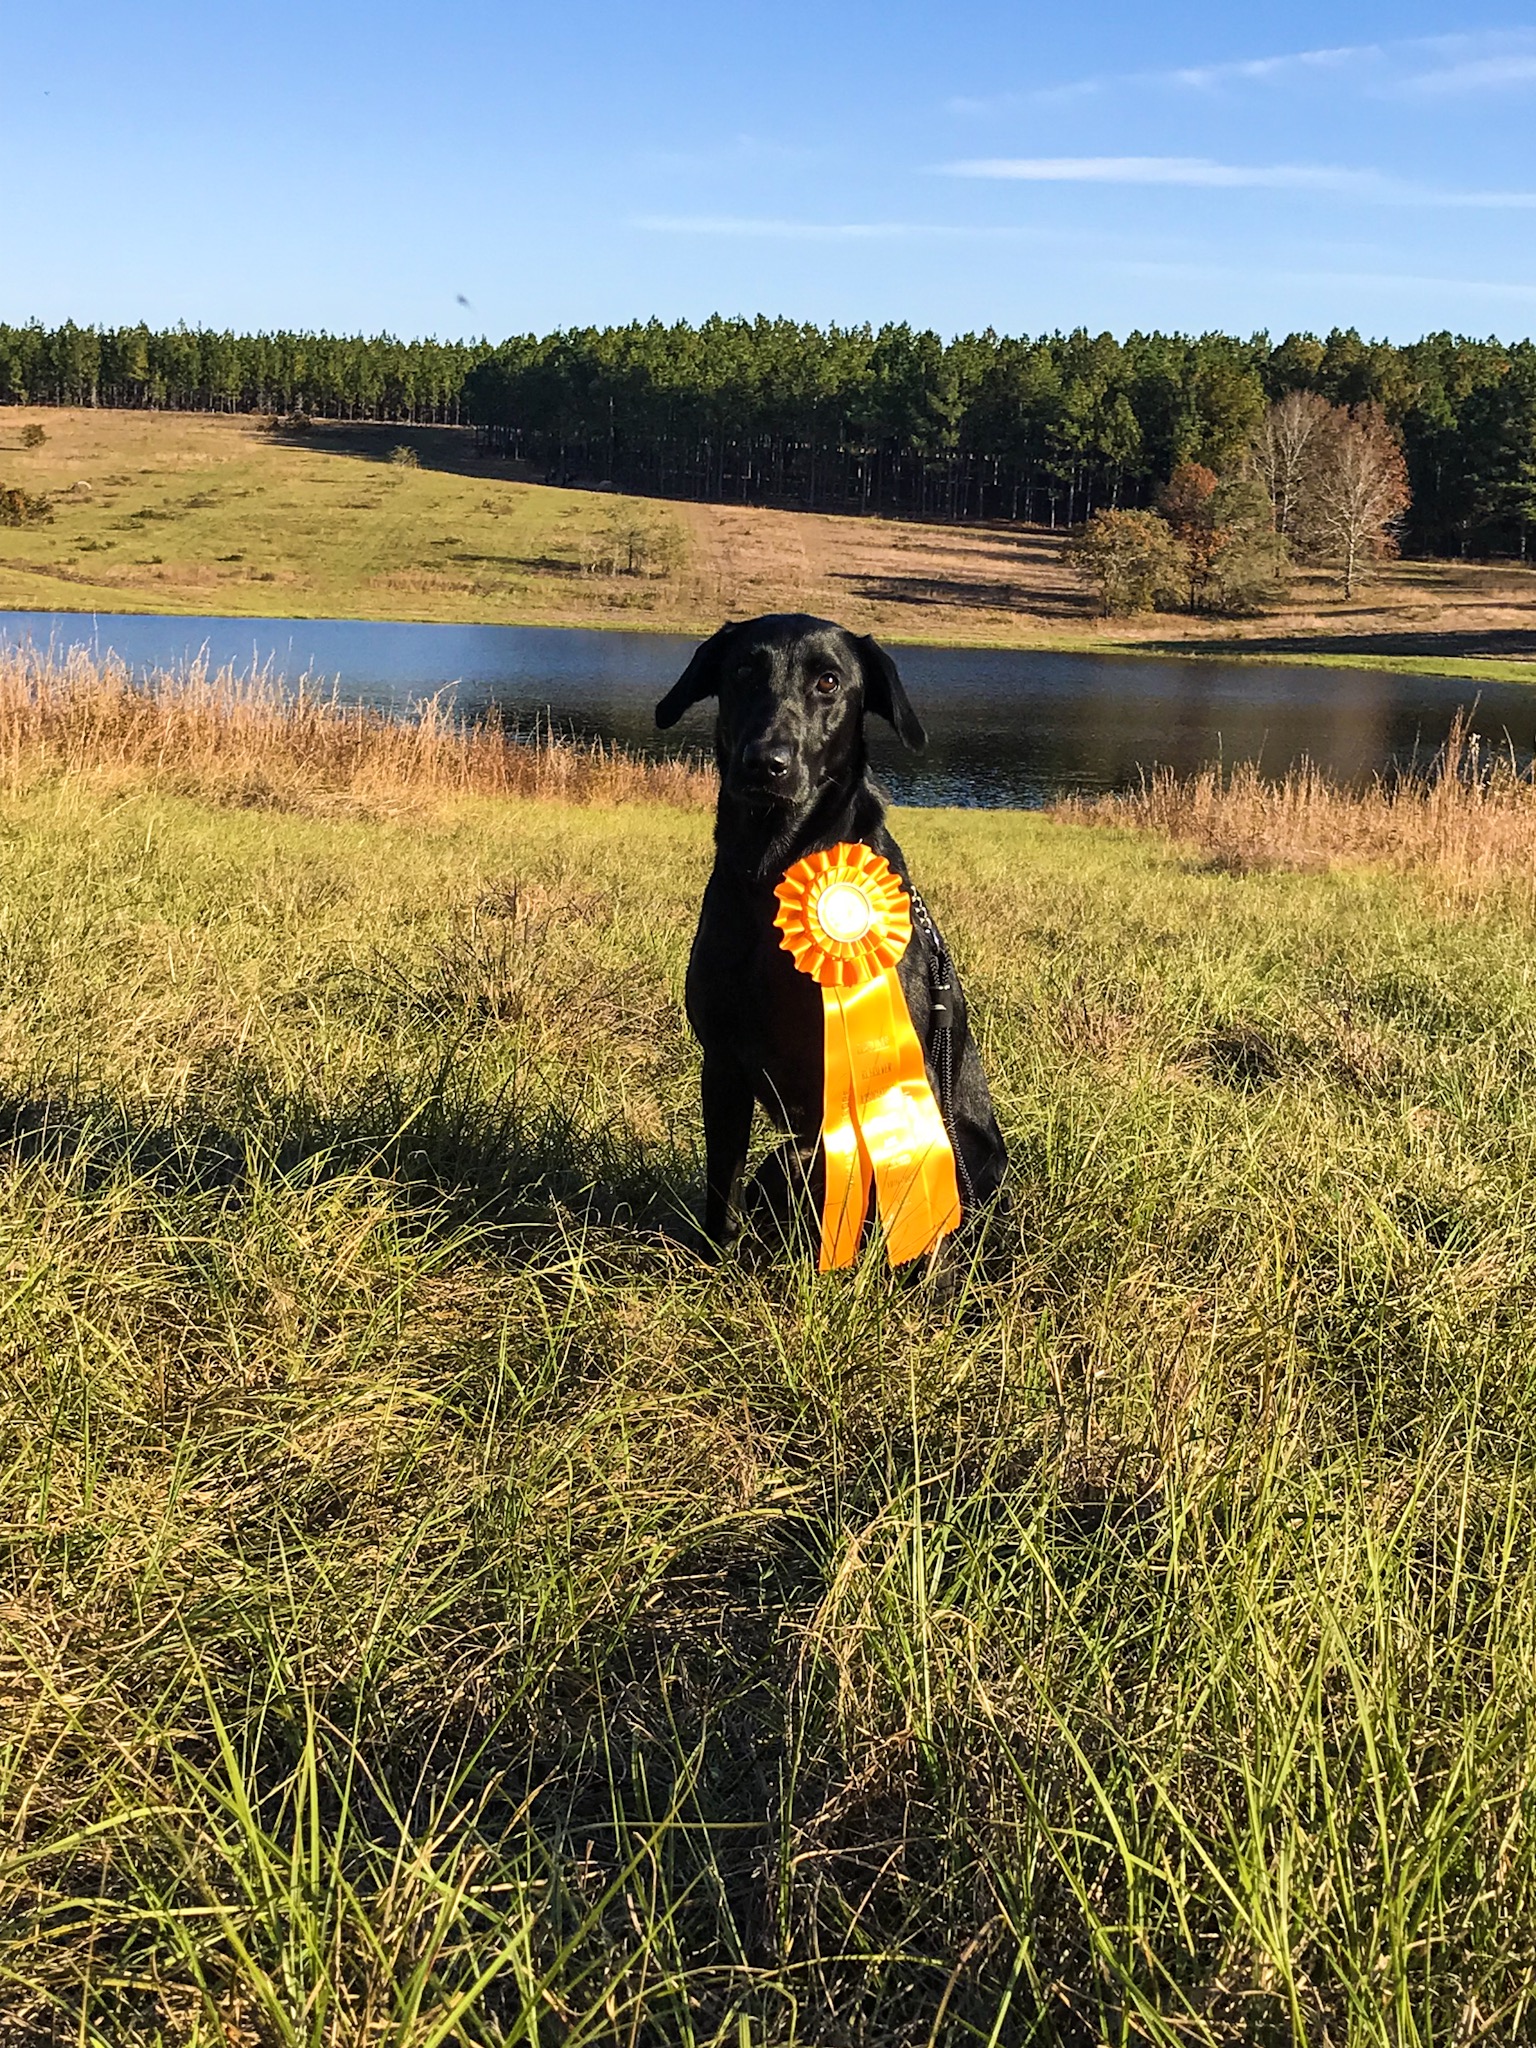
(767, 760)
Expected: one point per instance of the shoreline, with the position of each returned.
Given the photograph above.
(210, 515)
(1452, 667)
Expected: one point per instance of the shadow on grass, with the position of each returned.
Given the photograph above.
(1495, 644)
(521, 565)
(449, 450)
(451, 1157)
(931, 590)
(967, 593)
(613, 1695)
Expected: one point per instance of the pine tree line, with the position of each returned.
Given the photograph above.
(1049, 429)
(184, 369)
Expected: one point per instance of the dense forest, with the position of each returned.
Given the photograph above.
(892, 420)
(199, 369)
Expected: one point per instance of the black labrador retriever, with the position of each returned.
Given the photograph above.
(794, 779)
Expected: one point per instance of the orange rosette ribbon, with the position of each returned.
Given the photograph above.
(846, 921)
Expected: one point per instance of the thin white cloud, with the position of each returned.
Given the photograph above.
(1351, 280)
(1205, 172)
(1480, 60)
(1482, 74)
(1189, 77)
(1164, 170)
(1207, 77)
(772, 230)
(752, 227)
(737, 152)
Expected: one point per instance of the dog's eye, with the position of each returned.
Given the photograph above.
(829, 683)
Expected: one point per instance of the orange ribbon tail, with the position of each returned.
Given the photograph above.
(847, 921)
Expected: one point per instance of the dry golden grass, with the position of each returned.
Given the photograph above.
(244, 739)
(1469, 821)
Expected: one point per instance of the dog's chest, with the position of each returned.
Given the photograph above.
(746, 999)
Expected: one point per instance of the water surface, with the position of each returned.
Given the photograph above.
(1005, 727)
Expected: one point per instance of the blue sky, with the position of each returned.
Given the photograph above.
(1024, 167)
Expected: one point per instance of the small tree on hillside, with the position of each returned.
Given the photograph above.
(1131, 559)
(1357, 492)
(628, 543)
(23, 508)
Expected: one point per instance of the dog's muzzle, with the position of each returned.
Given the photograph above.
(766, 772)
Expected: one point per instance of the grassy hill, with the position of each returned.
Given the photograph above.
(438, 1607)
(213, 514)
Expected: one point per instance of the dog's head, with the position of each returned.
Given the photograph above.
(793, 692)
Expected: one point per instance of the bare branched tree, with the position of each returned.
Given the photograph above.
(1284, 443)
(1356, 491)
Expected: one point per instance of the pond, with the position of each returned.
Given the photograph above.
(1006, 727)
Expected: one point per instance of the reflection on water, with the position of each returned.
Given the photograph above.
(1005, 727)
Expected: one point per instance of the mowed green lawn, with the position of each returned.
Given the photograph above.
(438, 1607)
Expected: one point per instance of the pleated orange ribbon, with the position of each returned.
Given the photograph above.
(846, 921)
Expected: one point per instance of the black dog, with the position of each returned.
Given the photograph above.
(794, 779)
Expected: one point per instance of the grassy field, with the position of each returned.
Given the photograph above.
(213, 514)
(437, 1607)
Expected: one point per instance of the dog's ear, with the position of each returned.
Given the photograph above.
(884, 694)
(700, 679)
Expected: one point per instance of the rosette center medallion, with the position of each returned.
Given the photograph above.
(844, 912)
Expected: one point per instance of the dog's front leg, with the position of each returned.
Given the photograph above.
(727, 1129)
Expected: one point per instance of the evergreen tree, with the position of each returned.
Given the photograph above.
(1048, 429)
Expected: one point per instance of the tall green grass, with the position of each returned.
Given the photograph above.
(439, 1607)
